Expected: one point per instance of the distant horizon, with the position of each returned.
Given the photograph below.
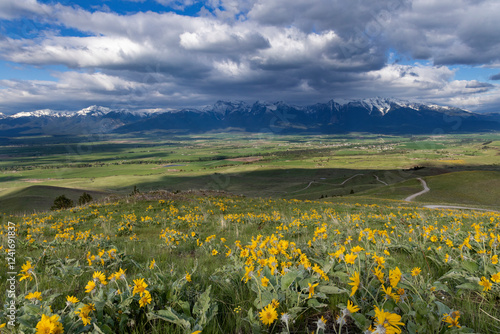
(159, 109)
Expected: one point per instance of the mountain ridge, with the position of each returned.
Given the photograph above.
(377, 115)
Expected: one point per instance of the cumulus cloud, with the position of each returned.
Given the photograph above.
(291, 50)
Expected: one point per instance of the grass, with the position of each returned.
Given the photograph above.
(467, 188)
(285, 167)
(59, 244)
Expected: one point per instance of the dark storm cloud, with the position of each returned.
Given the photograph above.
(260, 49)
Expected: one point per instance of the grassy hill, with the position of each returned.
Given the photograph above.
(40, 198)
(160, 262)
(471, 188)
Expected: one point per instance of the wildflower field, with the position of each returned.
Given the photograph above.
(214, 263)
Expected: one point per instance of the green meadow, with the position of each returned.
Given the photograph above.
(252, 233)
(303, 167)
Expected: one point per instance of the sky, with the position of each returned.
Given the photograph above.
(162, 54)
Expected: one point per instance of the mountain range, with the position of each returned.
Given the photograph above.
(376, 115)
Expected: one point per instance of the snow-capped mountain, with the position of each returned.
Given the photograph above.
(40, 113)
(93, 111)
(376, 115)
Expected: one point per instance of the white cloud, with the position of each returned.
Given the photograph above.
(276, 49)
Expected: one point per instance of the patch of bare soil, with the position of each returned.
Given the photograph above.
(246, 159)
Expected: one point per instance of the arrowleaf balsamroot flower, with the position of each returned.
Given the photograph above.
(452, 319)
(99, 276)
(83, 313)
(27, 270)
(355, 283)
(485, 283)
(268, 315)
(139, 287)
(379, 274)
(145, 299)
(120, 274)
(496, 277)
(416, 271)
(71, 300)
(49, 325)
(34, 296)
(387, 322)
(351, 307)
(394, 277)
(90, 287)
(311, 289)
(265, 281)
(350, 258)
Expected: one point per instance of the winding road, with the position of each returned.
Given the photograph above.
(331, 184)
(426, 189)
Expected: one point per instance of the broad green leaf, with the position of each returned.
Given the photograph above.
(288, 279)
(470, 286)
(470, 266)
(360, 319)
(331, 290)
(442, 308)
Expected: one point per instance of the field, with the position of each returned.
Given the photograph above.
(252, 233)
(265, 165)
(216, 263)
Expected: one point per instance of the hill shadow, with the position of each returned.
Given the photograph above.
(448, 185)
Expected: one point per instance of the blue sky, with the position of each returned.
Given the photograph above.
(67, 55)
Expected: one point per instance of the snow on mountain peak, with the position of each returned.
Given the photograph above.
(38, 113)
(94, 111)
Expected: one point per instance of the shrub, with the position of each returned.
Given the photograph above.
(84, 199)
(62, 202)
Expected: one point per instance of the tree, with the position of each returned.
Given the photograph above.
(84, 199)
(62, 202)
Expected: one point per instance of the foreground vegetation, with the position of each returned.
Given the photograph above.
(215, 263)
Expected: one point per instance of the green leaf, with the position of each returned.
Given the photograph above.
(288, 279)
(360, 320)
(442, 308)
(314, 303)
(331, 290)
(440, 286)
(31, 309)
(470, 266)
(411, 327)
(103, 329)
(265, 298)
(172, 317)
(452, 274)
(470, 286)
(186, 308)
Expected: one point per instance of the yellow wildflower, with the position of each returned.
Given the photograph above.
(387, 321)
(355, 283)
(71, 300)
(140, 287)
(33, 296)
(351, 307)
(394, 277)
(311, 289)
(268, 315)
(145, 299)
(350, 258)
(485, 283)
(265, 281)
(90, 287)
